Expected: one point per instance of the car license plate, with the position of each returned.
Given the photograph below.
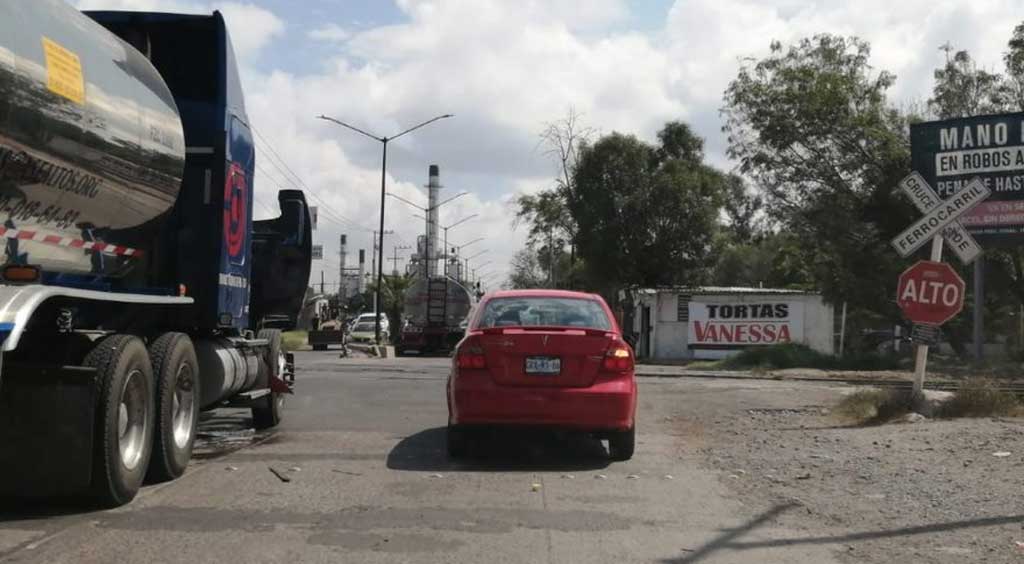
(543, 365)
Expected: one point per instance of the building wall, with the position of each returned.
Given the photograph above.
(670, 335)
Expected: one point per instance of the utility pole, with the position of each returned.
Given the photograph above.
(394, 261)
(321, 281)
(383, 192)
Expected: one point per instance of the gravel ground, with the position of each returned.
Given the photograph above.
(932, 491)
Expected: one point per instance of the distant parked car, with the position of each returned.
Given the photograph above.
(366, 332)
(368, 318)
(547, 358)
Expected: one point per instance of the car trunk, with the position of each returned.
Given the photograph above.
(579, 353)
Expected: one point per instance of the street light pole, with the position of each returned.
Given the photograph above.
(383, 193)
(426, 218)
(459, 222)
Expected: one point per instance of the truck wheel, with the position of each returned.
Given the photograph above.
(267, 413)
(124, 418)
(176, 370)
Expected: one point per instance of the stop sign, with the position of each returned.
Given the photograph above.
(930, 292)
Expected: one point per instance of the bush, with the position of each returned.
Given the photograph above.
(875, 406)
(790, 355)
(981, 397)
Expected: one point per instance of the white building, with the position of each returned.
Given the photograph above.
(715, 322)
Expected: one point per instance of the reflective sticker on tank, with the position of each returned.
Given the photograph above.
(63, 72)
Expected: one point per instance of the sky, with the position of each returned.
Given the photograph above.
(505, 68)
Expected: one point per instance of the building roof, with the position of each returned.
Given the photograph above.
(719, 290)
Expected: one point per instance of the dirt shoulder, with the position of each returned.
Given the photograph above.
(934, 491)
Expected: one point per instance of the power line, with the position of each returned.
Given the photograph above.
(270, 149)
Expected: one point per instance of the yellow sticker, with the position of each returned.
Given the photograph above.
(63, 72)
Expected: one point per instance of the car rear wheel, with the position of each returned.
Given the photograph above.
(458, 442)
(621, 444)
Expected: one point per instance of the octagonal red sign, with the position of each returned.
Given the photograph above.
(930, 292)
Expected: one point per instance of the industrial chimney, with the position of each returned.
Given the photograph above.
(433, 197)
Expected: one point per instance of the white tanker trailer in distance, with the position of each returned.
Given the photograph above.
(135, 288)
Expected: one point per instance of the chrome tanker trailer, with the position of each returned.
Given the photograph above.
(434, 309)
(135, 288)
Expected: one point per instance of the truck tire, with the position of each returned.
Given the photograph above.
(123, 437)
(176, 370)
(267, 412)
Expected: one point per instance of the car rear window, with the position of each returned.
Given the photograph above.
(364, 327)
(534, 311)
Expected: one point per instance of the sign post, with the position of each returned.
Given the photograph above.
(931, 292)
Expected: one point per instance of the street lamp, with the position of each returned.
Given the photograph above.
(426, 213)
(446, 228)
(378, 304)
(473, 257)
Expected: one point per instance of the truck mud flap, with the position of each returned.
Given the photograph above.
(46, 429)
(285, 383)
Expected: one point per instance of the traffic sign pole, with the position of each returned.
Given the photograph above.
(921, 360)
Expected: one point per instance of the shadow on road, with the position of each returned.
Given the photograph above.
(501, 450)
(14, 510)
(729, 538)
(220, 432)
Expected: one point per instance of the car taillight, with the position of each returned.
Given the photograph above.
(472, 357)
(618, 359)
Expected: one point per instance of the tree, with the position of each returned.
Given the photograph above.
(962, 89)
(393, 295)
(550, 222)
(743, 209)
(526, 270)
(1014, 61)
(646, 215)
(812, 127)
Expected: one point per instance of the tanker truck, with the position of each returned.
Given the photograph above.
(135, 287)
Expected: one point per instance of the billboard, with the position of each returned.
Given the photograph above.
(728, 324)
(949, 153)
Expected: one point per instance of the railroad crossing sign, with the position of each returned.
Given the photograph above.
(926, 200)
(930, 293)
(938, 215)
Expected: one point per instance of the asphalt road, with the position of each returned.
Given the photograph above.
(357, 473)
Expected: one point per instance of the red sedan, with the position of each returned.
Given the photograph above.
(543, 358)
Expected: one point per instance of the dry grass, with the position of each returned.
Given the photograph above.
(294, 340)
(874, 406)
(981, 397)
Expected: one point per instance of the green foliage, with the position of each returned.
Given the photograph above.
(811, 125)
(792, 355)
(393, 296)
(962, 89)
(646, 215)
(294, 340)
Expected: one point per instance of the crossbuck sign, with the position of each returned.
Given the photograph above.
(940, 216)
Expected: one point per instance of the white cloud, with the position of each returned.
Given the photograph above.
(504, 68)
(251, 27)
(330, 32)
